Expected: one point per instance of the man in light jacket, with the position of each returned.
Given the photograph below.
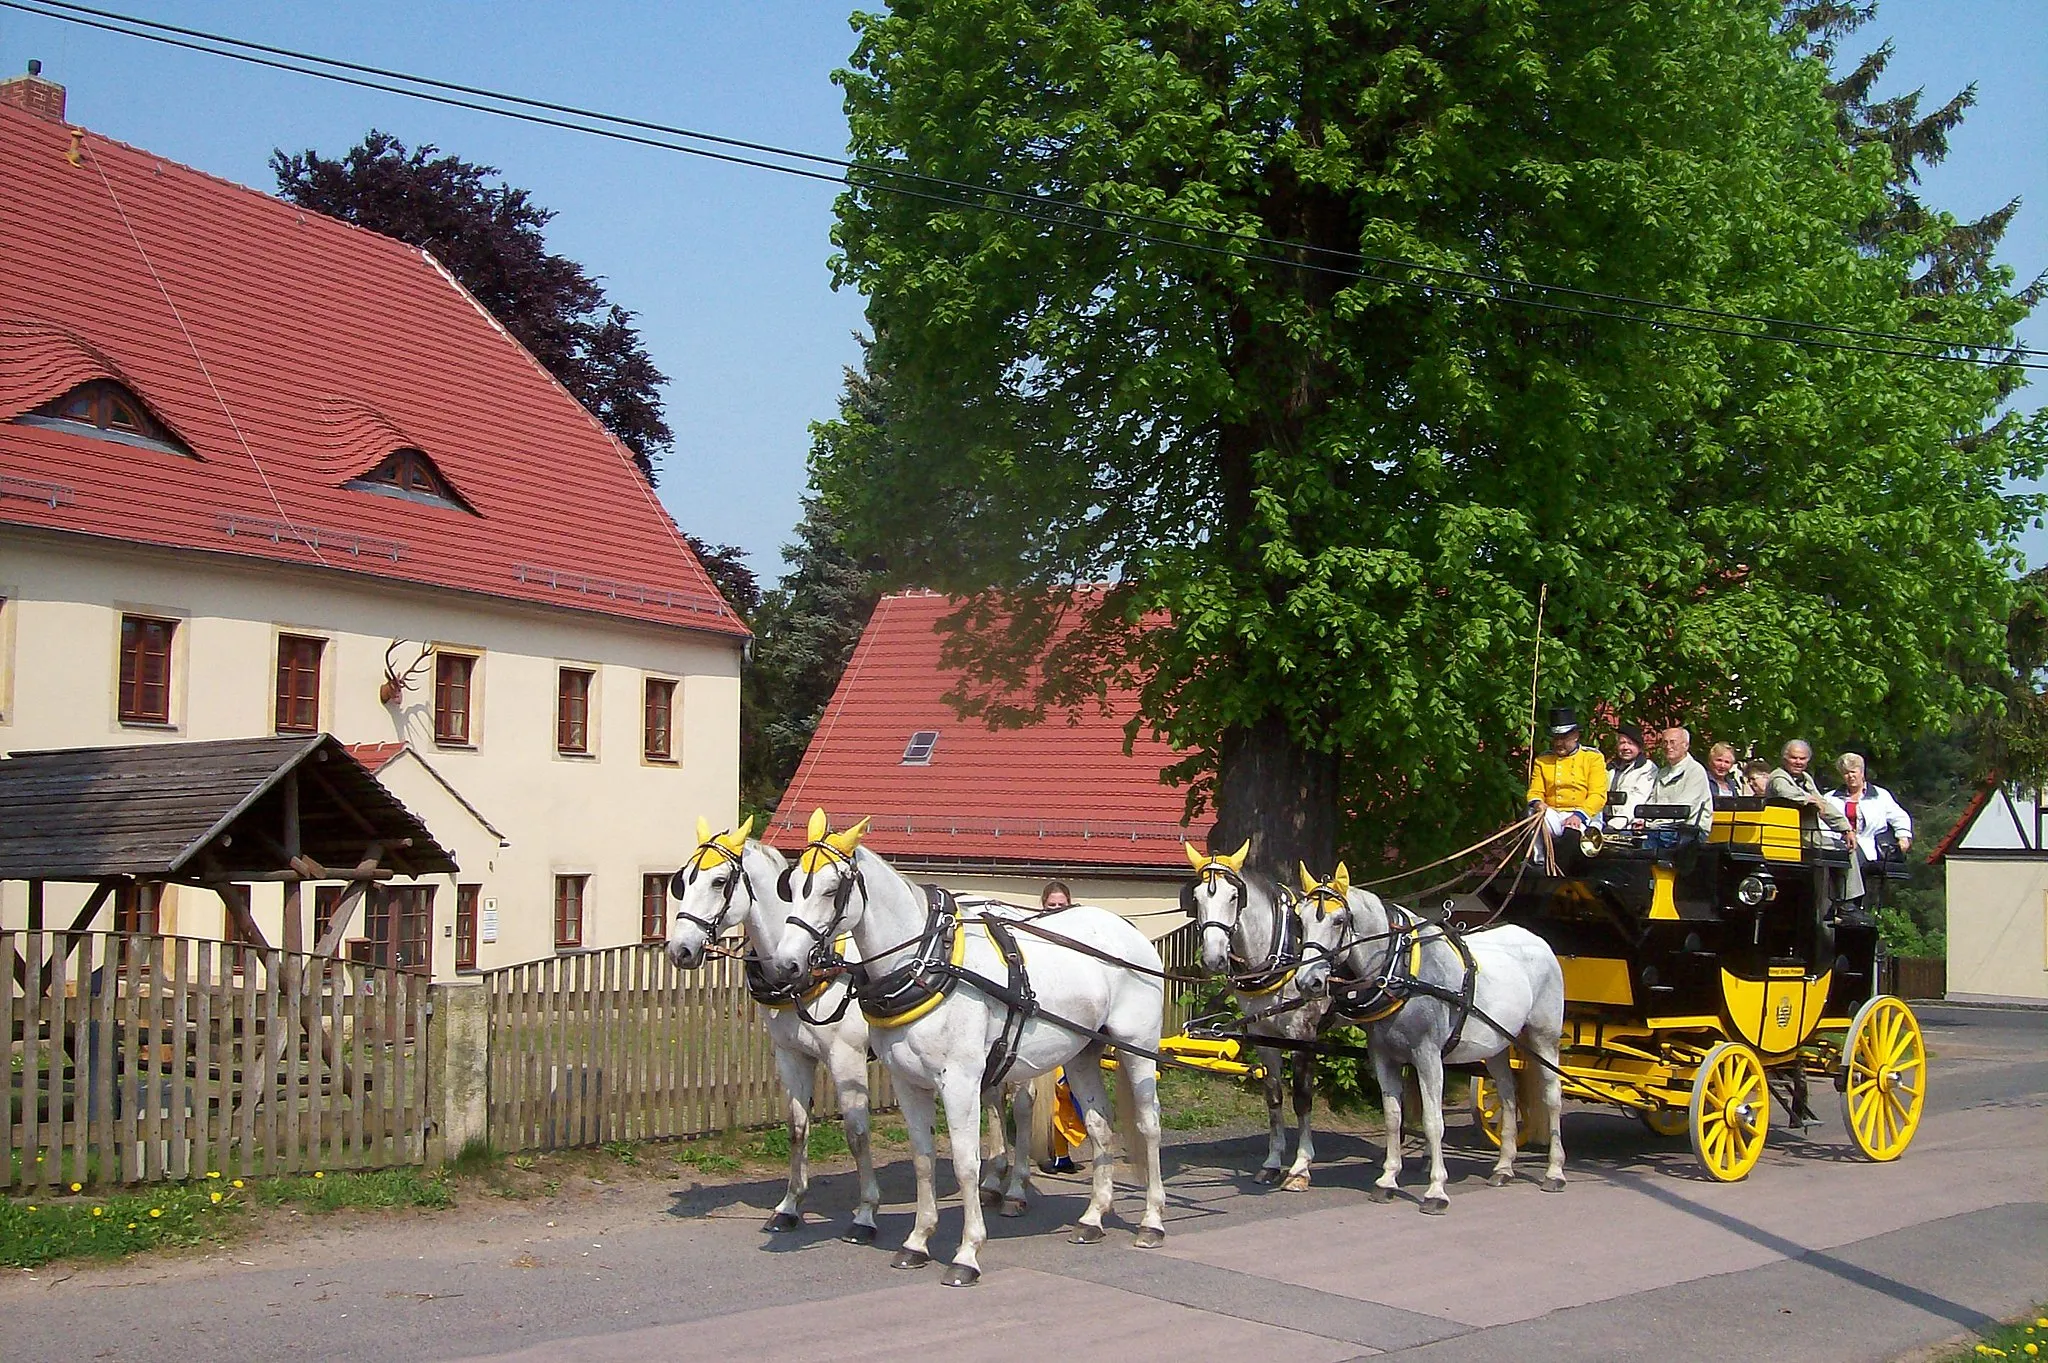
(1633, 776)
(1792, 782)
(1681, 780)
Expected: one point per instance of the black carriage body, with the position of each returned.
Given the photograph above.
(1732, 937)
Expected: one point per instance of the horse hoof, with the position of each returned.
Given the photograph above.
(857, 1234)
(1266, 1178)
(991, 1197)
(1149, 1237)
(1435, 1206)
(910, 1258)
(1012, 1206)
(960, 1275)
(1086, 1235)
(781, 1222)
(1294, 1183)
(1552, 1184)
(1379, 1194)
(1498, 1180)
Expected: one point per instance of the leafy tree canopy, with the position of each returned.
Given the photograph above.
(489, 236)
(1348, 479)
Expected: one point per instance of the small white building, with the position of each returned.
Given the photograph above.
(1997, 864)
(264, 473)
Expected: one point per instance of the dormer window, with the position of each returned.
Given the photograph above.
(410, 474)
(105, 410)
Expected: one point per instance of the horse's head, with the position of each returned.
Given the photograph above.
(712, 890)
(1324, 911)
(822, 888)
(1216, 900)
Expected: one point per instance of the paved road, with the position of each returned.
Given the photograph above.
(1817, 1256)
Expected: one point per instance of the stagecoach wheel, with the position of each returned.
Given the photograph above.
(1486, 1109)
(1666, 1121)
(1731, 1106)
(1885, 1061)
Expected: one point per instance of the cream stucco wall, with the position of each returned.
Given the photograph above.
(1997, 928)
(1152, 905)
(612, 815)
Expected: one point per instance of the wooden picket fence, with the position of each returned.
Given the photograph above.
(143, 1058)
(621, 1045)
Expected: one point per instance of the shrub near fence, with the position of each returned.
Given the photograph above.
(140, 1058)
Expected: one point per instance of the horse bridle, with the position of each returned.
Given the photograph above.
(682, 880)
(1280, 959)
(842, 895)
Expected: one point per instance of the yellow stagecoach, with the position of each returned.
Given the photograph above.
(1701, 978)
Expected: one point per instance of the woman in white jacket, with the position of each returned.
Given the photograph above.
(1869, 809)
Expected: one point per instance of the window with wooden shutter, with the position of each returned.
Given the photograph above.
(454, 674)
(145, 696)
(660, 739)
(569, 897)
(298, 683)
(572, 711)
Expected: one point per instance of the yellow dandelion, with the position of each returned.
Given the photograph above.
(99, 1211)
(238, 1183)
(77, 1187)
(156, 1211)
(31, 1206)
(2033, 1349)
(213, 1173)
(215, 1196)
(131, 1225)
(319, 1173)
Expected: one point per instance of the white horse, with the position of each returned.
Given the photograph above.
(1425, 1004)
(941, 1035)
(729, 879)
(1247, 934)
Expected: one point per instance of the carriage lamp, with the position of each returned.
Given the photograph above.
(1753, 890)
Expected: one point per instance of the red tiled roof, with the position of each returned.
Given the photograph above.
(374, 756)
(324, 347)
(1963, 821)
(1058, 792)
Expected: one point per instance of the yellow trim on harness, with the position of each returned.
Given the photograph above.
(1400, 1001)
(958, 955)
(839, 945)
(1273, 988)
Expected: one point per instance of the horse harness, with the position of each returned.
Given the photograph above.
(1362, 1002)
(1271, 975)
(826, 963)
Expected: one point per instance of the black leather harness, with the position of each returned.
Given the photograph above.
(1365, 1001)
(1279, 966)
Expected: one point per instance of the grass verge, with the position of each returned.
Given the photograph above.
(2021, 1339)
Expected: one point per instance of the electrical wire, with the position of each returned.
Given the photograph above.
(854, 175)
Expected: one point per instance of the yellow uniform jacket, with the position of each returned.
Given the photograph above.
(1577, 780)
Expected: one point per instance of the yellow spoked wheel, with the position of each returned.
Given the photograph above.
(1486, 1109)
(1666, 1121)
(1886, 1063)
(1731, 1106)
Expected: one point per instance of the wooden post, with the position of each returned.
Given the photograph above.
(35, 906)
(294, 922)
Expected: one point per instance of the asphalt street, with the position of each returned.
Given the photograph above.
(1818, 1255)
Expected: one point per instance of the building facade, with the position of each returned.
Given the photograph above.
(1996, 862)
(262, 472)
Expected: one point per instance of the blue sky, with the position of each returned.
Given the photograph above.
(727, 266)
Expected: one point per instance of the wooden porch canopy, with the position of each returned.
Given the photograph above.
(215, 814)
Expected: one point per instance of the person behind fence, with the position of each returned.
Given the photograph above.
(1633, 777)
(1794, 783)
(1568, 784)
(1722, 776)
(1055, 896)
(1681, 781)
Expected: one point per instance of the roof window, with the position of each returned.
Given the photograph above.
(105, 410)
(410, 474)
(918, 752)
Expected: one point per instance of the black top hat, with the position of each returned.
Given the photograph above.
(1563, 720)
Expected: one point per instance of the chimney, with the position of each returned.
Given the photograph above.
(33, 94)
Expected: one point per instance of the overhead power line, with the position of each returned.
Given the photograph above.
(1041, 209)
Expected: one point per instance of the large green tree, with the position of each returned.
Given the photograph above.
(1346, 477)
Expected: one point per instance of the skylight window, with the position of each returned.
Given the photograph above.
(105, 410)
(918, 752)
(410, 474)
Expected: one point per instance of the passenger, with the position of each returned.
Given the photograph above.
(1055, 896)
(1681, 780)
(1633, 775)
(1721, 774)
(1884, 831)
(1756, 778)
(1568, 783)
(1792, 782)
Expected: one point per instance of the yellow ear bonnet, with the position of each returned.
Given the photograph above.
(1342, 880)
(1308, 882)
(819, 826)
(850, 839)
(1195, 859)
(1235, 861)
(703, 830)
